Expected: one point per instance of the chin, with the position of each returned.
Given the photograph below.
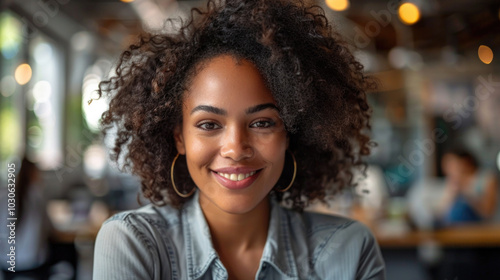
(238, 203)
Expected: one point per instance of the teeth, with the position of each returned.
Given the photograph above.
(236, 177)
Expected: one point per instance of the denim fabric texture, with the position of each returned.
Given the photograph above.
(165, 243)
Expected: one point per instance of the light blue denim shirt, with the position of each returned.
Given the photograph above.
(166, 243)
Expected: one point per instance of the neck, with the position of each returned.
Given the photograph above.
(238, 232)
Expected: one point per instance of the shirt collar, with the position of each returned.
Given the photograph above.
(200, 252)
(278, 250)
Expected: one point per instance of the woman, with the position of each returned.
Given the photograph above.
(250, 104)
(470, 194)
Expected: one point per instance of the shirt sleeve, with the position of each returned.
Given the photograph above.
(350, 252)
(371, 263)
(123, 252)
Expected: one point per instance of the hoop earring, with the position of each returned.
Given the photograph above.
(294, 173)
(173, 183)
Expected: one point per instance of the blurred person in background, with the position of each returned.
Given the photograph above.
(471, 193)
(33, 226)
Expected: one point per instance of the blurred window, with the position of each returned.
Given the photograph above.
(31, 91)
(46, 96)
(12, 49)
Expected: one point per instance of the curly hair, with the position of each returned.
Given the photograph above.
(318, 85)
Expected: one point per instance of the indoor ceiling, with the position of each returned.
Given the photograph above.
(459, 24)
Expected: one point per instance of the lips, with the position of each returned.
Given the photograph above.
(236, 178)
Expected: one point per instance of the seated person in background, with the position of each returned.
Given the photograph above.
(32, 227)
(470, 194)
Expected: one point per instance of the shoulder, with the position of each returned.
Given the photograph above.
(147, 227)
(340, 233)
(334, 233)
(339, 246)
(149, 214)
(132, 244)
(336, 227)
(143, 223)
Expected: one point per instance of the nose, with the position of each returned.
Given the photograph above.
(236, 144)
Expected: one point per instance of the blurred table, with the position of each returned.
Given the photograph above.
(471, 235)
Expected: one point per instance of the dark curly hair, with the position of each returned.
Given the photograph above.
(319, 87)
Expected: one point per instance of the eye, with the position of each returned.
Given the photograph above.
(208, 126)
(262, 124)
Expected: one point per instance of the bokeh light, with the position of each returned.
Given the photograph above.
(409, 13)
(398, 57)
(42, 53)
(485, 54)
(35, 136)
(43, 110)
(338, 5)
(92, 111)
(10, 131)
(10, 35)
(42, 91)
(23, 74)
(94, 161)
(81, 41)
(498, 160)
(7, 86)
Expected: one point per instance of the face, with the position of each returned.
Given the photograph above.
(456, 168)
(232, 135)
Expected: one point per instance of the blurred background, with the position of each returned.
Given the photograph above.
(431, 191)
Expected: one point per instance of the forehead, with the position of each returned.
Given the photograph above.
(226, 82)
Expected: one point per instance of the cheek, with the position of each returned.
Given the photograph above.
(200, 151)
(274, 149)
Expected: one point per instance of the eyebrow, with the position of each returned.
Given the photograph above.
(210, 109)
(219, 111)
(261, 107)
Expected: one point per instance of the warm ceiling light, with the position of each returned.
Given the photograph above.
(127, 1)
(23, 74)
(338, 5)
(409, 13)
(485, 54)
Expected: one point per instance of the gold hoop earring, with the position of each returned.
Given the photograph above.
(294, 173)
(173, 183)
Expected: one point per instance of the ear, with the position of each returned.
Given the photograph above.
(179, 140)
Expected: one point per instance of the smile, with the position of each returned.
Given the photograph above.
(236, 177)
(236, 181)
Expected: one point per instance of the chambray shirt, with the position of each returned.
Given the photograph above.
(165, 243)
